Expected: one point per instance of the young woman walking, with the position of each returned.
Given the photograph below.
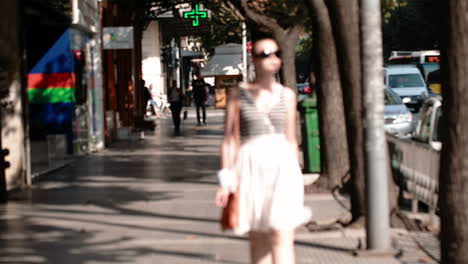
(259, 160)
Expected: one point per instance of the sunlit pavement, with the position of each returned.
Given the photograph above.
(149, 201)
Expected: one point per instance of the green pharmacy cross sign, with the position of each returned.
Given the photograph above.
(195, 14)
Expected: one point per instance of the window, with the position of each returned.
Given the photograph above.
(403, 60)
(405, 80)
(438, 126)
(391, 99)
(429, 69)
(426, 124)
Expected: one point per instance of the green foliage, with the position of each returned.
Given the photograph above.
(304, 47)
(389, 7)
(287, 12)
(303, 56)
(226, 25)
(226, 21)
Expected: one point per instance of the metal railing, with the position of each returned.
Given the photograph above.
(415, 169)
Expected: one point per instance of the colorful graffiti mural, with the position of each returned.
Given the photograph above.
(51, 91)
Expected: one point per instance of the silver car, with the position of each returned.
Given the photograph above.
(398, 118)
(430, 123)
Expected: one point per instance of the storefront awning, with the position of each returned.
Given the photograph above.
(227, 60)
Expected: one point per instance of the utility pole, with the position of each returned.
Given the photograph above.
(378, 222)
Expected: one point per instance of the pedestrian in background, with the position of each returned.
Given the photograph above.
(200, 94)
(146, 97)
(259, 160)
(175, 100)
(151, 108)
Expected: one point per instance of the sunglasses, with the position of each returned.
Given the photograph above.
(267, 53)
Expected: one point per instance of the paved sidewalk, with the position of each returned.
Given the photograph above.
(150, 201)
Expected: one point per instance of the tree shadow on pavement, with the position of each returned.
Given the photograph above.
(27, 242)
(24, 241)
(113, 182)
(323, 246)
(106, 208)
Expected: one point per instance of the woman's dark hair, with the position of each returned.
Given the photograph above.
(255, 41)
(265, 38)
(259, 35)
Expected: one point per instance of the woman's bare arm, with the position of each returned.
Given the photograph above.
(229, 145)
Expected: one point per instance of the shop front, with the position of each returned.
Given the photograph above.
(226, 67)
(63, 81)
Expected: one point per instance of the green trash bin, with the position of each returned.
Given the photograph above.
(310, 134)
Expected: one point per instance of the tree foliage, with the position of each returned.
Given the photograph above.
(411, 25)
(226, 25)
(304, 63)
(225, 19)
(284, 20)
(389, 7)
(287, 12)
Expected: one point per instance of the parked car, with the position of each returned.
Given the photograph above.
(429, 124)
(406, 80)
(303, 90)
(398, 118)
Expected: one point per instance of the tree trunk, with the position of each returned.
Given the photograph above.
(11, 103)
(287, 40)
(454, 156)
(334, 145)
(344, 16)
(286, 37)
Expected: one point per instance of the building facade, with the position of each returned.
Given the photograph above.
(64, 81)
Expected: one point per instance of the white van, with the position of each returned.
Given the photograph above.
(407, 82)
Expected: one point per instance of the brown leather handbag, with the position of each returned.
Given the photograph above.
(230, 215)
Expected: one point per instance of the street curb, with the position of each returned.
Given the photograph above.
(342, 233)
(39, 175)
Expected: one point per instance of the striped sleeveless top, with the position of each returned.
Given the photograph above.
(254, 122)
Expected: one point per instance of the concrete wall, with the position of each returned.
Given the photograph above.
(12, 117)
(86, 13)
(151, 46)
(98, 92)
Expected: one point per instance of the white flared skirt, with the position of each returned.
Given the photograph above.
(271, 186)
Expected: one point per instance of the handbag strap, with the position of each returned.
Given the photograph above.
(267, 117)
(268, 123)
